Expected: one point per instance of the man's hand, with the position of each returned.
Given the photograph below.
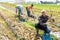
(47, 23)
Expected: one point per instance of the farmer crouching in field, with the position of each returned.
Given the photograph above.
(29, 9)
(19, 10)
(42, 23)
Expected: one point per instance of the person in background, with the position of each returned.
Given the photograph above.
(29, 9)
(42, 23)
(19, 10)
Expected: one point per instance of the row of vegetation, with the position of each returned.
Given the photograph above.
(51, 8)
(31, 25)
(6, 32)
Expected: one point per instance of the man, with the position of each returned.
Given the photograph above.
(19, 10)
(29, 9)
(42, 22)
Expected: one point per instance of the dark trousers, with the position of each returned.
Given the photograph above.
(18, 11)
(19, 15)
(41, 27)
(28, 12)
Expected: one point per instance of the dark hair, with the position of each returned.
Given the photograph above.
(32, 5)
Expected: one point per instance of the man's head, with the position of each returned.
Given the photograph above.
(32, 5)
(43, 12)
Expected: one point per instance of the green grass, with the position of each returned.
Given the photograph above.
(28, 25)
(10, 5)
(7, 12)
(38, 7)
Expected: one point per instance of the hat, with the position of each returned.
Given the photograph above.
(43, 11)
